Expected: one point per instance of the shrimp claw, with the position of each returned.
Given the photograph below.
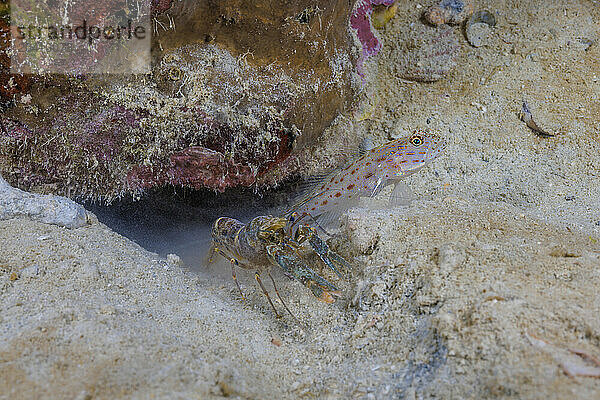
(286, 258)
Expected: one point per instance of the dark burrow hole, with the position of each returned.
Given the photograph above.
(176, 220)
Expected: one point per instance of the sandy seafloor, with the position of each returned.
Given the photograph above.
(481, 288)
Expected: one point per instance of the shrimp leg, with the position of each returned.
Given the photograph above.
(257, 277)
(235, 263)
(280, 299)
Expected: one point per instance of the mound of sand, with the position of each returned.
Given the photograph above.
(448, 299)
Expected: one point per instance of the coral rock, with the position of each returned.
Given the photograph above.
(237, 91)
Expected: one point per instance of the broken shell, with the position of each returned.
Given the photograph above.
(483, 16)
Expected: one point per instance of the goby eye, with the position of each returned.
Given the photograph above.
(417, 140)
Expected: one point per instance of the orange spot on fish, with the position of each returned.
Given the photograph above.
(312, 209)
(350, 187)
(324, 202)
(342, 179)
(338, 194)
(353, 171)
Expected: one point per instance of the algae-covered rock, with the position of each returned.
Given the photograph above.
(235, 92)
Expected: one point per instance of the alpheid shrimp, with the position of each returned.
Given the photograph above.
(268, 241)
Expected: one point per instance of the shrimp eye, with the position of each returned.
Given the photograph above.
(417, 140)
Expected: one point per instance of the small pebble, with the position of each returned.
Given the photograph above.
(30, 272)
(87, 272)
(586, 43)
(174, 259)
(478, 34)
(479, 28)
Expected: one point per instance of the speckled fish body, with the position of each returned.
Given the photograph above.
(370, 173)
